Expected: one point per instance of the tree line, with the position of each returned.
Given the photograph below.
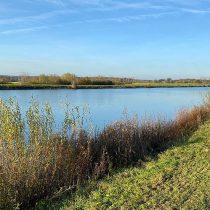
(72, 79)
(65, 79)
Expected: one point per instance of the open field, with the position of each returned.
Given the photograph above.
(167, 84)
(145, 85)
(18, 85)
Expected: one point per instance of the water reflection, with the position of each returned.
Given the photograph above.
(107, 105)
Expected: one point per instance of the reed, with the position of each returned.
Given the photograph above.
(38, 162)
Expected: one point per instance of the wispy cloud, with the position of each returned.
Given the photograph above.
(129, 6)
(196, 11)
(55, 2)
(121, 19)
(38, 17)
(71, 2)
(24, 30)
(128, 18)
(121, 4)
(146, 9)
(105, 4)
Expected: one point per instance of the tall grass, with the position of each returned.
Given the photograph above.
(38, 162)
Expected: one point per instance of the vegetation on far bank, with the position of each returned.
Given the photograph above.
(38, 162)
(27, 86)
(147, 85)
(71, 81)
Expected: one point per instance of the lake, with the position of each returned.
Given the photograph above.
(108, 105)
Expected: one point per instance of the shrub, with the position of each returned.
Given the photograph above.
(37, 162)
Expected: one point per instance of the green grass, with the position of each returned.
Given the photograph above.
(176, 179)
(145, 85)
(167, 84)
(18, 85)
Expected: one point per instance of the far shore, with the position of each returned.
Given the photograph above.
(25, 86)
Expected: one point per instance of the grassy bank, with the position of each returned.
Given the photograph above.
(17, 85)
(167, 84)
(26, 86)
(177, 179)
(145, 85)
(38, 162)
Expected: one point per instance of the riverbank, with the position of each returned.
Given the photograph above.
(176, 179)
(24, 86)
(42, 164)
(27, 86)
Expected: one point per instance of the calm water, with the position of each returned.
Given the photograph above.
(107, 105)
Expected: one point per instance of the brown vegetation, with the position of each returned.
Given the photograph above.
(72, 79)
(37, 162)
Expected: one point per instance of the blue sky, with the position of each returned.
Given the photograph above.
(133, 38)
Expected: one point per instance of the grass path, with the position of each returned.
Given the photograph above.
(178, 179)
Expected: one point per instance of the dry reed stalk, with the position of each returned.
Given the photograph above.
(36, 162)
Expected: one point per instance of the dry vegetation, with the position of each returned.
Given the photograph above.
(37, 162)
(72, 81)
(177, 178)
